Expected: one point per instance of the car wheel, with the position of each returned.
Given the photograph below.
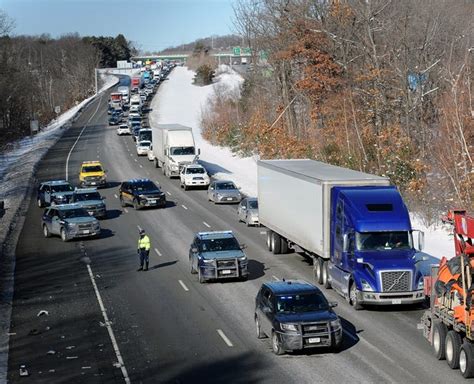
(64, 236)
(46, 231)
(136, 205)
(40, 203)
(453, 347)
(353, 298)
(276, 345)
(438, 340)
(258, 329)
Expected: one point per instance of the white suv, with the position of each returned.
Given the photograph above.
(193, 175)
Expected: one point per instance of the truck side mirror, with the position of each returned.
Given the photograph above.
(166, 152)
(421, 240)
(199, 151)
(345, 243)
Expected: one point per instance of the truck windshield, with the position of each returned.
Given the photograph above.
(71, 213)
(215, 245)
(145, 136)
(179, 151)
(309, 302)
(92, 168)
(87, 196)
(373, 241)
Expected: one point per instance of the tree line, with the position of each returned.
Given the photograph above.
(379, 86)
(38, 73)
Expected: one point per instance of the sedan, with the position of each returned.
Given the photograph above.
(223, 191)
(143, 147)
(248, 211)
(123, 130)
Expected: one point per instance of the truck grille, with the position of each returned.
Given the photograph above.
(227, 268)
(92, 178)
(396, 281)
(85, 226)
(315, 329)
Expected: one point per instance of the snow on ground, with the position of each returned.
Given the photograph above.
(181, 102)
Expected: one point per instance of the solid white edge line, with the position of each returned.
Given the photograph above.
(183, 285)
(78, 137)
(225, 338)
(184, 206)
(168, 192)
(158, 252)
(276, 278)
(207, 225)
(109, 328)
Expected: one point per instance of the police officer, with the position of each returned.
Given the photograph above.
(143, 250)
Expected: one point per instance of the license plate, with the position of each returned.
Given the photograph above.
(91, 213)
(229, 199)
(152, 201)
(93, 183)
(226, 272)
(314, 340)
(396, 301)
(85, 231)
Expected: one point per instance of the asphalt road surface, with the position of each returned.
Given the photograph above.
(166, 327)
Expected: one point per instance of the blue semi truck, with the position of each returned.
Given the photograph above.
(355, 226)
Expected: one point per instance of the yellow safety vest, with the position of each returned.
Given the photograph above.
(144, 242)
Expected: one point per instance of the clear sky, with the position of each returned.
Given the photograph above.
(152, 24)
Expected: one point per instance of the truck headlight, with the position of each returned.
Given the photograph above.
(421, 283)
(207, 261)
(366, 286)
(289, 327)
(71, 225)
(335, 325)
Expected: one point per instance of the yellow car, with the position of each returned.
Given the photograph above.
(92, 174)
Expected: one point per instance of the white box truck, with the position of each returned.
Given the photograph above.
(125, 91)
(173, 147)
(355, 226)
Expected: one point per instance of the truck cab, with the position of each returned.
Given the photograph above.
(373, 259)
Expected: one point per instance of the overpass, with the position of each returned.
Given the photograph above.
(222, 57)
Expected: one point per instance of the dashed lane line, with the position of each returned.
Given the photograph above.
(263, 232)
(141, 166)
(115, 196)
(207, 225)
(183, 285)
(125, 210)
(225, 338)
(168, 192)
(184, 206)
(158, 252)
(276, 278)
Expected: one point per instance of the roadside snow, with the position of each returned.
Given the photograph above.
(181, 102)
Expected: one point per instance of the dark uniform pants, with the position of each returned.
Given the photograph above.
(144, 256)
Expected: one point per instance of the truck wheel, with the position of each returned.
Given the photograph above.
(193, 271)
(269, 240)
(260, 334)
(325, 272)
(283, 246)
(466, 360)
(439, 339)
(276, 345)
(46, 231)
(353, 297)
(318, 270)
(185, 187)
(163, 169)
(40, 203)
(200, 277)
(276, 243)
(63, 235)
(156, 163)
(453, 347)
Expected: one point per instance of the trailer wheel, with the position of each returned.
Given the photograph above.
(276, 243)
(318, 270)
(453, 348)
(439, 340)
(269, 240)
(325, 273)
(466, 360)
(283, 245)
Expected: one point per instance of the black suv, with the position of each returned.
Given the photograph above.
(296, 315)
(141, 193)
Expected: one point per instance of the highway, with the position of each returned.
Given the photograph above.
(166, 326)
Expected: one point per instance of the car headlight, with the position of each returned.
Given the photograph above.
(207, 261)
(219, 196)
(289, 327)
(366, 286)
(421, 283)
(335, 325)
(243, 258)
(71, 225)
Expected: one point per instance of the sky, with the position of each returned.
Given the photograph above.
(151, 24)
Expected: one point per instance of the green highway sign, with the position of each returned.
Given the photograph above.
(236, 51)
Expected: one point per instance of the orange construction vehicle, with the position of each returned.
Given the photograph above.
(449, 322)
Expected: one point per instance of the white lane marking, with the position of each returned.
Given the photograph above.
(183, 285)
(126, 210)
(276, 278)
(263, 232)
(78, 137)
(141, 166)
(158, 252)
(131, 155)
(109, 328)
(168, 192)
(207, 225)
(116, 196)
(139, 228)
(184, 206)
(136, 161)
(225, 338)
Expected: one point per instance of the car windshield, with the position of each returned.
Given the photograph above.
(87, 196)
(145, 186)
(92, 168)
(178, 151)
(373, 241)
(144, 143)
(145, 136)
(223, 186)
(195, 170)
(61, 188)
(71, 213)
(308, 302)
(215, 245)
(253, 204)
(136, 118)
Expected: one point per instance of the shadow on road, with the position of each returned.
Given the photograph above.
(166, 264)
(112, 214)
(256, 269)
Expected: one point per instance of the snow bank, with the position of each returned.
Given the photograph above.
(181, 102)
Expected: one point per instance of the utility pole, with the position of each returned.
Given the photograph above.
(96, 81)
